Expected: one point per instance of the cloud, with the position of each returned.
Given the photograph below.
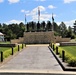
(14, 21)
(68, 23)
(51, 7)
(1, 1)
(40, 0)
(24, 11)
(69, 1)
(13, 1)
(44, 15)
(34, 11)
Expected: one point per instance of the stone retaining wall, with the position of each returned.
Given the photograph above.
(7, 45)
(59, 39)
(38, 37)
(67, 44)
(20, 40)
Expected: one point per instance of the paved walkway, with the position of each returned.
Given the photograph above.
(33, 58)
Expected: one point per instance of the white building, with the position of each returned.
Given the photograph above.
(1, 36)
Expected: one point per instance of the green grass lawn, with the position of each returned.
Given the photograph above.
(70, 49)
(4, 48)
(7, 51)
(70, 54)
(8, 42)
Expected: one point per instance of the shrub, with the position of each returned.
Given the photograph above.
(73, 36)
(72, 61)
(7, 53)
(68, 57)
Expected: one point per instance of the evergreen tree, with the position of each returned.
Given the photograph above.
(70, 33)
(62, 29)
(38, 26)
(27, 26)
(43, 24)
(75, 27)
(55, 27)
(49, 26)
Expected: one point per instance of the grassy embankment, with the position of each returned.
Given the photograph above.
(70, 54)
(7, 51)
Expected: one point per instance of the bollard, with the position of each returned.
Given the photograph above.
(1, 56)
(57, 50)
(63, 56)
(53, 47)
(22, 46)
(49, 44)
(18, 48)
(25, 45)
(12, 51)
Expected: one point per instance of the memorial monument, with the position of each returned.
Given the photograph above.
(40, 33)
(37, 35)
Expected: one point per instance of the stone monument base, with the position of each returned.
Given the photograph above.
(38, 37)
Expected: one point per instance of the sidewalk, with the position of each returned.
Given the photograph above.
(33, 58)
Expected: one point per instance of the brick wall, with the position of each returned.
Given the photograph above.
(68, 44)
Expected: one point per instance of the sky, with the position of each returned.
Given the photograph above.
(14, 11)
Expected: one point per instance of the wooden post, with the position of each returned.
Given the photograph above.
(56, 50)
(1, 56)
(12, 51)
(63, 56)
(22, 45)
(49, 44)
(25, 45)
(53, 47)
(18, 48)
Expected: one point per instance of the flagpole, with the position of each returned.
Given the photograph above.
(25, 19)
(25, 23)
(38, 14)
(52, 22)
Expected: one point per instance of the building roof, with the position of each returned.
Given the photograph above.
(1, 33)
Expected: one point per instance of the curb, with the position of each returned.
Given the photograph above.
(65, 68)
(34, 72)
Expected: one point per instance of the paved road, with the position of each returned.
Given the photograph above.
(33, 58)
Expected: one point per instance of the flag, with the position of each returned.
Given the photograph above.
(38, 11)
(52, 17)
(25, 18)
